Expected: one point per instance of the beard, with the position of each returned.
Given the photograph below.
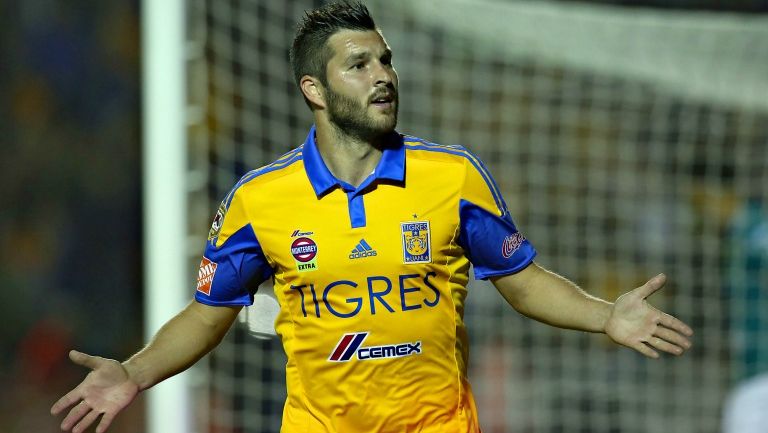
(352, 117)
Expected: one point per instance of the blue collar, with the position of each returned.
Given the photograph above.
(391, 166)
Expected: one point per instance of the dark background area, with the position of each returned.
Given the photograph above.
(70, 222)
(70, 260)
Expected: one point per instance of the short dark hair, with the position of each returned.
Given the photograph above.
(310, 52)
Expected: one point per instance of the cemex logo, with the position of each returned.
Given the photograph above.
(349, 346)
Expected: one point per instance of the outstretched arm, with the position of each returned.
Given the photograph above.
(630, 321)
(111, 385)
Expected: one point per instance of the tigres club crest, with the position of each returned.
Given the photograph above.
(218, 221)
(417, 247)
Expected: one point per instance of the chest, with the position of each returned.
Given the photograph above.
(387, 230)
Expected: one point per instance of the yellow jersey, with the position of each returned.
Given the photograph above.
(371, 281)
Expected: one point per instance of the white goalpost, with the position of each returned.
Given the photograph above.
(166, 278)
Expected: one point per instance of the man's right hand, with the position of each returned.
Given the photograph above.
(106, 391)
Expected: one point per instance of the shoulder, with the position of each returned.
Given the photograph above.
(423, 149)
(451, 153)
(478, 184)
(270, 174)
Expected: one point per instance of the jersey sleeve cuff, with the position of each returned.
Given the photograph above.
(483, 273)
(233, 303)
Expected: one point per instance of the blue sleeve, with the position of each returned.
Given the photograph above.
(492, 243)
(233, 264)
(233, 270)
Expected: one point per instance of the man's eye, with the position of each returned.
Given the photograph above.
(360, 65)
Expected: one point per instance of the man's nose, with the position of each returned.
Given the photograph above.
(382, 74)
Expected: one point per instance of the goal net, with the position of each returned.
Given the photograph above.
(626, 142)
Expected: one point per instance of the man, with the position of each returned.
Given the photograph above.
(368, 236)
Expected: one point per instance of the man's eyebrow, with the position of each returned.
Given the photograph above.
(359, 55)
(362, 55)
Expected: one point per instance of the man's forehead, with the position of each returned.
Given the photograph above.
(346, 43)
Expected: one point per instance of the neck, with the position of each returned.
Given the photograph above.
(349, 158)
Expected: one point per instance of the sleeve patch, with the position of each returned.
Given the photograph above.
(218, 221)
(511, 244)
(205, 276)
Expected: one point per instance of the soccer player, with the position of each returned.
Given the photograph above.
(368, 236)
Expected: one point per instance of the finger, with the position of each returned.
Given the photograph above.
(673, 337)
(74, 415)
(83, 359)
(665, 346)
(645, 350)
(106, 420)
(68, 400)
(673, 323)
(86, 421)
(651, 286)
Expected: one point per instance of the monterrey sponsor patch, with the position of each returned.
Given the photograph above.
(511, 244)
(218, 221)
(304, 251)
(205, 275)
(417, 246)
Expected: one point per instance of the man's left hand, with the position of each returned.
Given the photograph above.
(634, 323)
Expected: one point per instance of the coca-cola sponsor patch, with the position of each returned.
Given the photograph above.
(511, 244)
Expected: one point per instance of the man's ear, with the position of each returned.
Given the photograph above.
(313, 90)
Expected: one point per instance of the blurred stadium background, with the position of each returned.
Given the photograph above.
(628, 137)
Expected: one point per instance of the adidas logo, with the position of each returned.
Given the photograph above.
(362, 250)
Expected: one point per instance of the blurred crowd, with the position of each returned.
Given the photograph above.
(70, 230)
